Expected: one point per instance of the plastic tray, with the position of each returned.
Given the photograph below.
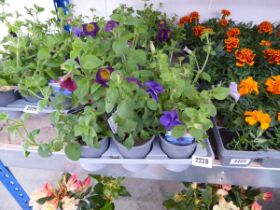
(270, 158)
(155, 158)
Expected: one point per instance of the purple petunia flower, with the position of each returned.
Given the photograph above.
(233, 91)
(77, 32)
(161, 24)
(110, 25)
(68, 84)
(103, 75)
(163, 34)
(134, 80)
(170, 119)
(90, 29)
(154, 89)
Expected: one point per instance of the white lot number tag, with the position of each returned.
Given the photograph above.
(112, 124)
(239, 161)
(205, 162)
(31, 109)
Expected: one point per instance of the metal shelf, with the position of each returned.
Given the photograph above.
(155, 168)
(252, 175)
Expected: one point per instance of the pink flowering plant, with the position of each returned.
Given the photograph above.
(217, 197)
(74, 194)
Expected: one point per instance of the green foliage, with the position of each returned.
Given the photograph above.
(207, 196)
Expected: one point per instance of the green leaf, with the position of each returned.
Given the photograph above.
(3, 116)
(41, 201)
(83, 88)
(152, 105)
(119, 47)
(129, 142)
(124, 110)
(198, 134)
(220, 93)
(57, 145)
(90, 62)
(73, 151)
(178, 131)
(98, 188)
(206, 76)
(43, 53)
(123, 191)
(44, 150)
(108, 206)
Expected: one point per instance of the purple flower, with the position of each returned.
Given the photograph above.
(233, 91)
(170, 119)
(161, 24)
(103, 75)
(134, 80)
(68, 84)
(163, 34)
(111, 24)
(77, 32)
(90, 29)
(154, 89)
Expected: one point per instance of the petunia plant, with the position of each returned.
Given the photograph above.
(33, 52)
(134, 107)
(187, 107)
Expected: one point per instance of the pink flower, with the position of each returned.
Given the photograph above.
(256, 206)
(36, 195)
(48, 189)
(73, 183)
(267, 196)
(69, 203)
(68, 84)
(48, 206)
(226, 187)
(234, 91)
(83, 186)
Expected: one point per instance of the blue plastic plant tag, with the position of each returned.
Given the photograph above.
(184, 140)
(57, 89)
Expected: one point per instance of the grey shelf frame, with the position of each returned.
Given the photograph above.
(252, 175)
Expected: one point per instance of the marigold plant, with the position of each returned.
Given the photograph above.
(265, 27)
(272, 55)
(265, 43)
(248, 86)
(233, 32)
(255, 116)
(223, 22)
(225, 12)
(273, 85)
(194, 16)
(244, 56)
(231, 43)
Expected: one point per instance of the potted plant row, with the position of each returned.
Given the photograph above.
(122, 70)
(246, 60)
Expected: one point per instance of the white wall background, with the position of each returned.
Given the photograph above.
(242, 10)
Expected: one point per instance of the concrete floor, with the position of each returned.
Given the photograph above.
(146, 194)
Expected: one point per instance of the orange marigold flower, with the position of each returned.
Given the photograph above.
(223, 22)
(272, 55)
(255, 116)
(243, 56)
(199, 29)
(273, 84)
(183, 20)
(265, 43)
(231, 43)
(225, 12)
(248, 86)
(233, 32)
(194, 16)
(265, 27)
(278, 116)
